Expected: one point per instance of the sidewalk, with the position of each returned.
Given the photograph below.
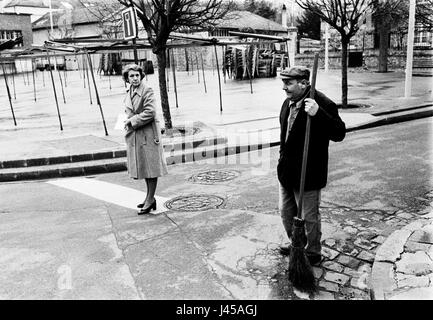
(247, 120)
(403, 266)
(38, 135)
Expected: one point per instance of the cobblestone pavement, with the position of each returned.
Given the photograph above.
(349, 255)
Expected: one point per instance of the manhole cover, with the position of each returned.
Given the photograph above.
(196, 202)
(212, 176)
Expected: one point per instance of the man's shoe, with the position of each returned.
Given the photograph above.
(285, 250)
(314, 258)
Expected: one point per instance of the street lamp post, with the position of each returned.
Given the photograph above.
(409, 55)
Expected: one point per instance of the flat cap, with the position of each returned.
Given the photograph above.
(295, 72)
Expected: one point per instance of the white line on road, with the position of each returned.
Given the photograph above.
(109, 192)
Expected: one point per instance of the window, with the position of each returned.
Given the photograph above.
(11, 34)
(421, 37)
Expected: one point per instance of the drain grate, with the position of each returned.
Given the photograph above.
(195, 202)
(213, 176)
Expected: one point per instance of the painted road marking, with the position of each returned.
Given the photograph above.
(109, 192)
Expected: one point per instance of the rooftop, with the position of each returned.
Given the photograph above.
(243, 19)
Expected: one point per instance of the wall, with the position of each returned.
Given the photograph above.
(18, 22)
(423, 59)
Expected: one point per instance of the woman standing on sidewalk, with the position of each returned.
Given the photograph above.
(145, 155)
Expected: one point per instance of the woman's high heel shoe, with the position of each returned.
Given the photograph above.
(147, 210)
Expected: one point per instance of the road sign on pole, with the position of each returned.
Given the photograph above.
(129, 24)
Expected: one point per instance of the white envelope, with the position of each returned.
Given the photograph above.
(120, 123)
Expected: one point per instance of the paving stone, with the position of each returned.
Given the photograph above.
(360, 283)
(350, 230)
(330, 242)
(329, 253)
(355, 294)
(412, 246)
(348, 261)
(331, 265)
(404, 280)
(318, 272)
(379, 239)
(425, 235)
(329, 286)
(405, 215)
(365, 244)
(324, 295)
(353, 253)
(414, 294)
(366, 256)
(335, 277)
(367, 234)
(391, 249)
(418, 263)
(382, 279)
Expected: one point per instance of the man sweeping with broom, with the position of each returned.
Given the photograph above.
(309, 120)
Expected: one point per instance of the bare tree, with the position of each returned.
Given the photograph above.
(344, 16)
(161, 17)
(108, 14)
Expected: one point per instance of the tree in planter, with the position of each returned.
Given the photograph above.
(344, 16)
(161, 17)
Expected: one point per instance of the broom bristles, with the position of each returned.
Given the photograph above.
(300, 272)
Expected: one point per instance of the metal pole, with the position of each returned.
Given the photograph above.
(61, 85)
(409, 55)
(86, 75)
(134, 42)
(22, 70)
(249, 76)
(54, 90)
(84, 71)
(98, 101)
(34, 83)
(174, 77)
(65, 75)
(9, 93)
(224, 63)
(202, 69)
(198, 72)
(219, 78)
(326, 47)
(13, 83)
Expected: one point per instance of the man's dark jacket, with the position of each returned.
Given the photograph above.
(326, 125)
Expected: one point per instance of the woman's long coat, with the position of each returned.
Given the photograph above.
(145, 156)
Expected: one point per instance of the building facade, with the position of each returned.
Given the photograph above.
(13, 25)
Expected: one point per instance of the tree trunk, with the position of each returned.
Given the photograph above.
(344, 45)
(383, 48)
(162, 62)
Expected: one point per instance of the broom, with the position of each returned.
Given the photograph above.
(300, 271)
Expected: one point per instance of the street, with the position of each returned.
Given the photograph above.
(63, 242)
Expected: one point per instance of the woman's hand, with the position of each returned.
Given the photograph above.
(128, 124)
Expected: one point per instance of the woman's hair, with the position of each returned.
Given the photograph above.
(132, 67)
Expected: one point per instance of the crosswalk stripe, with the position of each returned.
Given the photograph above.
(109, 192)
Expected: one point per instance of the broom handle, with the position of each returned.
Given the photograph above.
(307, 138)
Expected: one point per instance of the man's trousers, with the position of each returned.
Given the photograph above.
(310, 213)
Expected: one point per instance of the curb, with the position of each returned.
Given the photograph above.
(120, 153)
(382, 280)
(190, 151)
(119, 164)
(385, 120)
